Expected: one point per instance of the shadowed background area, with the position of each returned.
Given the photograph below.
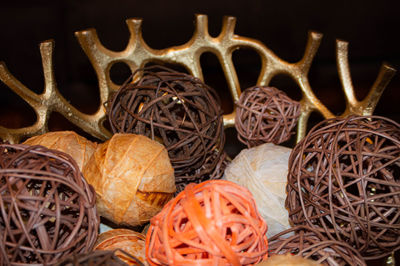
(371, 28)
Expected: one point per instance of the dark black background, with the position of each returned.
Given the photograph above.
(371, 28)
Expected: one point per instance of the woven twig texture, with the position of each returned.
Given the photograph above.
(265, 114)
(344, 180)
(47, 209)
(100, 258)
(176, 109)
(307, 242)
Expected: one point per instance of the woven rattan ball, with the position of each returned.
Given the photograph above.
(265, 114)
(98, 258)
(212, 223)
(47, 208)
(307, 242)
(124, 239)
(176, 109)
(288, 260)
(193, 177)
(344, 180)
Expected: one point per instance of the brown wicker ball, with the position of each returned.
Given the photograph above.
(288, 260)
(344, 180)
(265, 114)
(47, 209)
(176, 109)
(124, 239)
(307, 242)
(217, 172)
(98, 258)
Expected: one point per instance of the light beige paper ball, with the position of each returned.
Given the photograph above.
(288, 260)
(78, 147)
(263, 170)
(133, 178)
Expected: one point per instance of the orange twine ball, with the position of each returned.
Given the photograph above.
(212, 223)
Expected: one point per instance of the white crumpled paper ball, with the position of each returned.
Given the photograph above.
(263, 170)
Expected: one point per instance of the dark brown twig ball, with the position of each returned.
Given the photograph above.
(307, 242)
(265, 114)
(99, 258)
(176, 109)
(218, 172)
(344, 180)
(47, 209)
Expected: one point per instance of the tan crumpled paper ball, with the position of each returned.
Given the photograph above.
(78, 147)
(288, 260)
(263, 170)
(133, 178)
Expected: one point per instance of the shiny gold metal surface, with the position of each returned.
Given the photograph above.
(138, 53)
(47, 102)
(390, 261)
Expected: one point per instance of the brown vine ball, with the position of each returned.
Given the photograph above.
(288, 260)
(128, 241)
(221, 160)
(176, 109)
(344, 180)
(265, 114)
(99, 258)
(47, 209)
(307, 242)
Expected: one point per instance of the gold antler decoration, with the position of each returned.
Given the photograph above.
(366, 106)
(138, 53)
(47, 102)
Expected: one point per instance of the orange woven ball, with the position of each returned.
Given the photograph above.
(212, 223)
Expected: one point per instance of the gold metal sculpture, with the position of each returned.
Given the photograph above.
(138, 53)
(391, 261)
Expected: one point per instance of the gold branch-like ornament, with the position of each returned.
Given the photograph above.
(366, 106)
(47, 102)
(138, 53)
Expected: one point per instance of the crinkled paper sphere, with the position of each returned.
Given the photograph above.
(265, 114)
(47, 208)
(131, 242)
(263, 170)
(178, 110)
(69, 142)
(97, 258)
(133, 178)
(212, 223)
(307, 242)
(344, 180)
(288, 260)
